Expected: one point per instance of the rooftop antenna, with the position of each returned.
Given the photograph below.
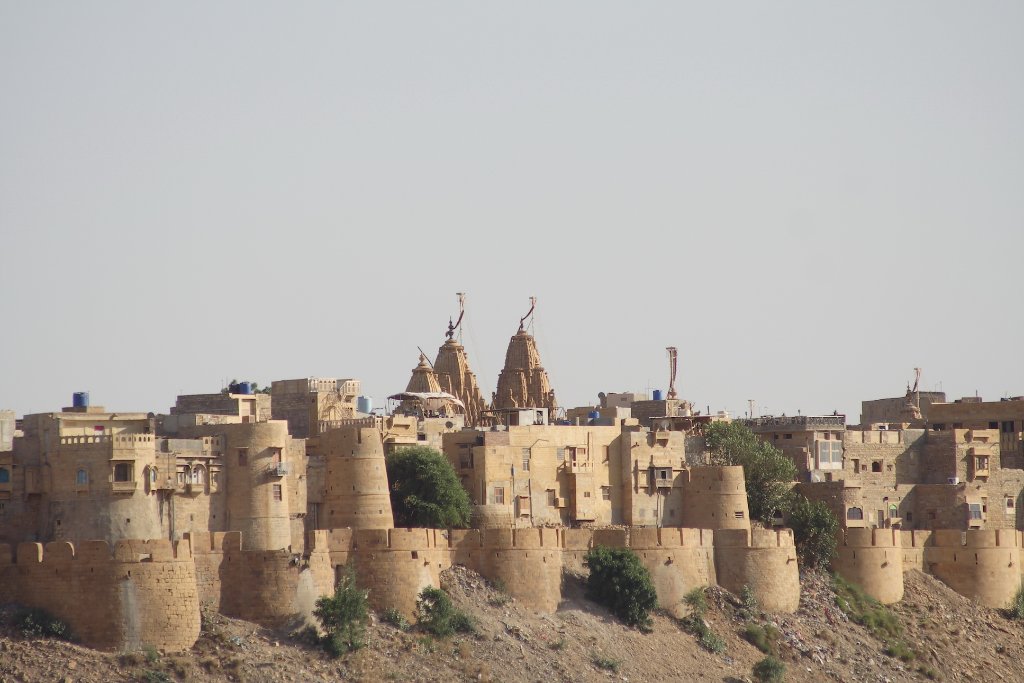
(529, 314)
(673, 355)
(457, 325)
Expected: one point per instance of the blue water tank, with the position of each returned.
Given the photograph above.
(594, 415)
(80, 399)
(244, 388)
(364, 404)
(657, 394)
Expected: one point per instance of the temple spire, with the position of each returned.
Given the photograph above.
(523, 382)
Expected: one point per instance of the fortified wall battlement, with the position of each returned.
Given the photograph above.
(396, 564)
(264, 586)
(140, 593)
(983, 565)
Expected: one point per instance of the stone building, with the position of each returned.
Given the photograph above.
(303, 403)
(894, 410)
(813, 442)
(597, 474)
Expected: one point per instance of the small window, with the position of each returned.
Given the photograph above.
(526, 459)
(1009, 503)
(197, 475)
(243, 457)
(551, 498)
(993, 425)
(876, 466)
(153, 474)
(855, 513)
(5, 475)
(82, 478)
(278, 493)
(893, 512)
(606, 493)
(122, 472)
(499, 495)
(975, 513)
(1007, 427)
(789, 436)
(910, 516)
(560, 455)
(738, 514)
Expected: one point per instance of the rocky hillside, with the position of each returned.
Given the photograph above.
(941, 636)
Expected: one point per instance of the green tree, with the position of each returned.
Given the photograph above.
(620, 582)
(436, 614)
(814, 530)
(343, 616)
(425, 491)
(768, 471)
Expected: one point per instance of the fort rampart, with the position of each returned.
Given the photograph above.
(148, 593)
(140, 593)
(983, 565)
(396, 564)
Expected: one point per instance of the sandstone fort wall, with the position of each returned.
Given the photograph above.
(138, 593)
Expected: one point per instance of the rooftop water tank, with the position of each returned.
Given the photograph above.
(244, 388)
(594, 415)
(80, 399)
(657, 394)
(364, 404)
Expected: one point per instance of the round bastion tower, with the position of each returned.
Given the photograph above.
(257, 494)
(357, 494)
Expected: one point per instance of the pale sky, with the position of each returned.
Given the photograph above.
(809, 199)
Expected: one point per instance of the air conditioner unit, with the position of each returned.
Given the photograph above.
(281, 469)
(560, 502)
(953, 480)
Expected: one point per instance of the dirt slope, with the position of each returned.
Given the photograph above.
(955, 640)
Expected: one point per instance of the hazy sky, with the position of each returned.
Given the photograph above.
(808, 199)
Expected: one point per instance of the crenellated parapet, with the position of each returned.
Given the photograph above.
(136, 593)
(264, 586)
(983, 565)
(873, 559)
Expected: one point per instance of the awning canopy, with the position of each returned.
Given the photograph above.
(432, 400)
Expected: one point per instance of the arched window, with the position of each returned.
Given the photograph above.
(5, 475)
(153, 475)
(855, 513)
(82, 477)
(197, 474)
(894, 512)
